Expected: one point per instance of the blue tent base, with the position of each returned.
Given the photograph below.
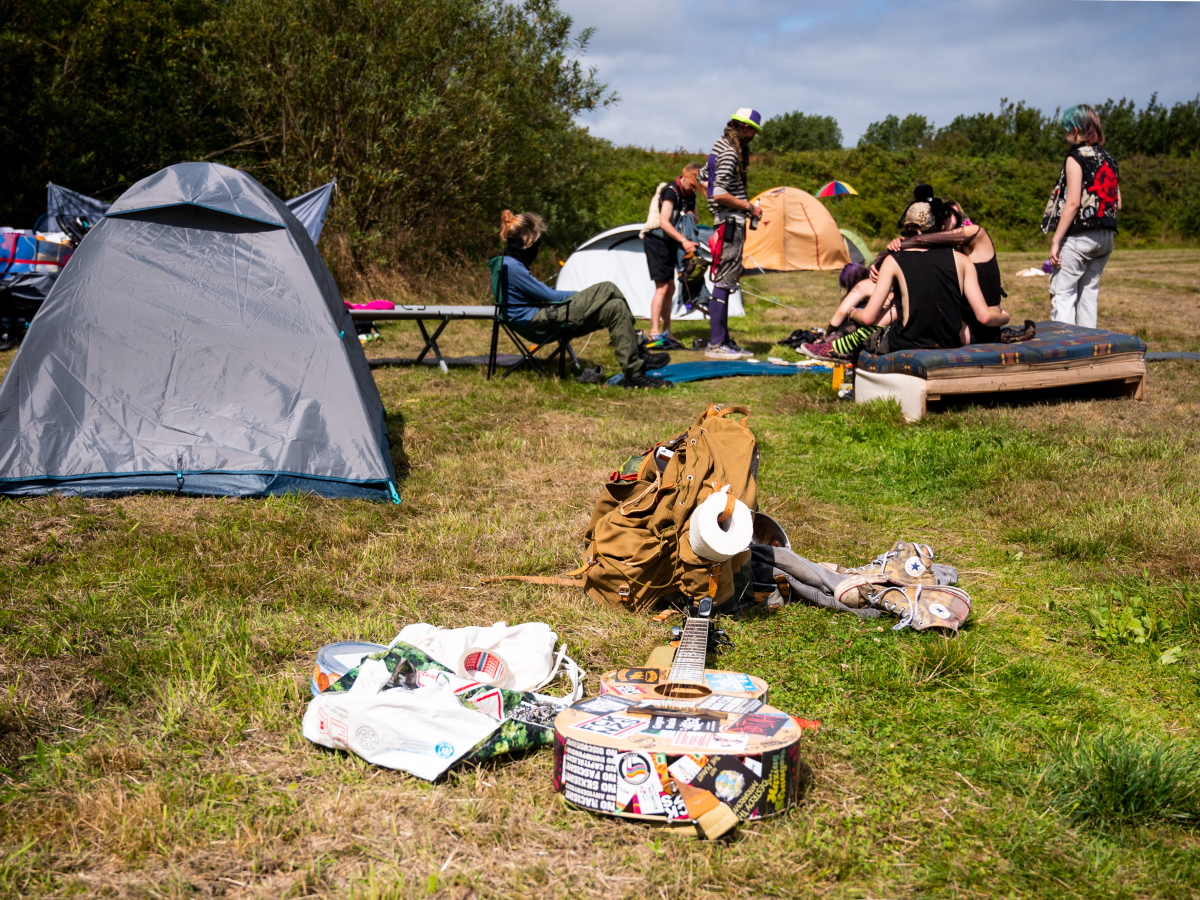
(706, 369)
(198, 484)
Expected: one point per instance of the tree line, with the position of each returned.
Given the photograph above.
(1016, 130)
(433, 115)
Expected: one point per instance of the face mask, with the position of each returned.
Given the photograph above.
(523, 255)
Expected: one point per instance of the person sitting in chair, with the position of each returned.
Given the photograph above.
(932, 286)
(534, 307)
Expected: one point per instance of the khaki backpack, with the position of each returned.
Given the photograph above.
(639, 547)
(638, 542)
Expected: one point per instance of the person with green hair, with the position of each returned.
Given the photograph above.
(1082, 214)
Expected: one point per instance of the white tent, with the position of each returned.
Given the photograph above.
(616, 255)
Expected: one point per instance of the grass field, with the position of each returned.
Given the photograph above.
(155, 652)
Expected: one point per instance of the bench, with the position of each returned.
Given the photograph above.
(1060, 355)
(423, 314)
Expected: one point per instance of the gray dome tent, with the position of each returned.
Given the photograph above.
(195, 343)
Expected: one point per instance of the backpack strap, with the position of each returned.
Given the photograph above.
(719, 412)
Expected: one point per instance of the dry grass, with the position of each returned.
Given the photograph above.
(155, 651)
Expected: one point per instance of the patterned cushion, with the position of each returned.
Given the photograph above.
(1054, 342)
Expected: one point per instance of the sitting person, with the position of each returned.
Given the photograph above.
(934, 285)
(534, 307)
(844, 338)
(960, 233)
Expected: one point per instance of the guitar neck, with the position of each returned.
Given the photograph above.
(688, 667)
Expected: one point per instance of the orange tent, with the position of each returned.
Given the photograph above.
(796, 232)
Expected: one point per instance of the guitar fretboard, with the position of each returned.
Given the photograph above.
(688, 667)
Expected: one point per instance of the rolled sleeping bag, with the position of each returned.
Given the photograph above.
(721, 527)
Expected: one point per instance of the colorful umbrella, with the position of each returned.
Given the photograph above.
(836, 190)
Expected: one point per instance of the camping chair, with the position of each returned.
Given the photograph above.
(520, 333)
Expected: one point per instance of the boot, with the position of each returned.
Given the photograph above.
(921, 606)
(642, 380)
(904, 564)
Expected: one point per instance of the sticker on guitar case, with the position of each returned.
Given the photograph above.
(638, 676)
(722, 703)
(759, 725)
(603, 705)
(674, 724)
(729, 681)
(732, 782)
(589, 776)
(613, 725)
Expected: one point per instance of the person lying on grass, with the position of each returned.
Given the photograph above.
(960, 233)
(844, 338)
(539, 309)
(933, 285)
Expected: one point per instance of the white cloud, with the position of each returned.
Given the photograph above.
(681, 66)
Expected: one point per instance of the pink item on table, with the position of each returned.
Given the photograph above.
(374, 304)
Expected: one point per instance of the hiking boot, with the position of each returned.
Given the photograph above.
(656, 360)
(591, 376)
(723, 352)
(642, 380)
(822, 351)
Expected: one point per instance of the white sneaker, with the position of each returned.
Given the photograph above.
(722, 351)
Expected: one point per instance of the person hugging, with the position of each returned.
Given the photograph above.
(932, 286)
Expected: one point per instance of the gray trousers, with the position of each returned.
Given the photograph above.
(1075, 285)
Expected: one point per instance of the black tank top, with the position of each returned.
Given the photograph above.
(989, 285)
(934, 301)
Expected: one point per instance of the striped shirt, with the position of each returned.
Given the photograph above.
(725, 161)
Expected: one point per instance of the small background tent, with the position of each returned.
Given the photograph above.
(61, 201)
(796, 232)
(195, 343)
(617, 255)
(857, 248)
(310, 208)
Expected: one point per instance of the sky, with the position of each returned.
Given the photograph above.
(682, 66)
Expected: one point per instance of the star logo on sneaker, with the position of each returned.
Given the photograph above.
(914, 566)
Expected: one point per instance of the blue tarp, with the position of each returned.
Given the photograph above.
(63, 202)
(703, 370)
(310, 209)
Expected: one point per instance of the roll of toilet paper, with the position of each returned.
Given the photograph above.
(719, 541)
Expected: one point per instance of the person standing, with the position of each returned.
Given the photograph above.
(1082, 213)
(728, 169)
(662, 245)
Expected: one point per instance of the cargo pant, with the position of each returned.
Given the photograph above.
(599, 306)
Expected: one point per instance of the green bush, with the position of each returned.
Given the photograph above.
(1005, 194)
(434, 115)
